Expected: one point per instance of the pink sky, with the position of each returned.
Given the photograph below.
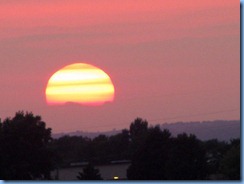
(169, 60)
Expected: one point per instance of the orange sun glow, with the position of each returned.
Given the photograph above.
(79, 83)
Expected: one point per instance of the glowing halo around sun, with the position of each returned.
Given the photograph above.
(79, 83)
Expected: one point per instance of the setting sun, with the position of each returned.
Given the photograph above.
(79, 83)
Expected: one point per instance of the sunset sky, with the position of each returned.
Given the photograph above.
(169, 60)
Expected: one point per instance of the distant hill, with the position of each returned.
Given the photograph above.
(220, 129)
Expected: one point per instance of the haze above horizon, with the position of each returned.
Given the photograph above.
(168, 60)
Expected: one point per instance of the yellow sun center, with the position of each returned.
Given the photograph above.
(79, 83)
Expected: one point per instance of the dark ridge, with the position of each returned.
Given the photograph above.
(223, 130)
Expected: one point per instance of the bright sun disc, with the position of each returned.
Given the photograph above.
(80, 83)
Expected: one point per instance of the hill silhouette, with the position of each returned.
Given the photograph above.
(223, 130)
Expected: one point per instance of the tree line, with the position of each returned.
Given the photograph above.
(28, 152)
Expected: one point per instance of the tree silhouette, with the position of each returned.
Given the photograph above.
(24, 152)
(186, 159)
(100, 149)
(138, 132)
(154, 153)
(122, 151)
(89, 173)
(138, 127)
(148, 162)
(230, 164)
(162, 157)
(72, 149)
(215, 151)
